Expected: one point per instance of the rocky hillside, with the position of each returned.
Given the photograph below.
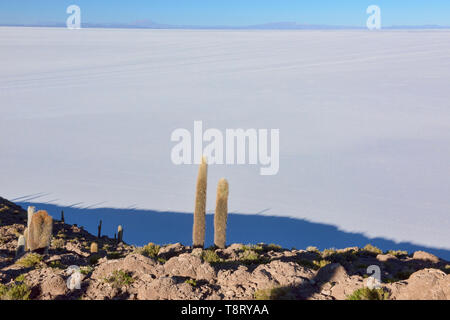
(174, 271)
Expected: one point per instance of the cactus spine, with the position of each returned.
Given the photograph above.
(40, 231)
(119, 234)
(99, 234)
(198, 233)
(20, 250)
(220, 216)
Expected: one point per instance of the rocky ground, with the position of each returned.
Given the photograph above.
(174, 271)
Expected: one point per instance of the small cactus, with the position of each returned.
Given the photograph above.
(21, 244)
(94, 247)
(119, 234)
(40, 231)
(220, 216)
(99, 234)
(62, 217)
(198, 232)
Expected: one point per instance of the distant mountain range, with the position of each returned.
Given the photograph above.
(148, 24)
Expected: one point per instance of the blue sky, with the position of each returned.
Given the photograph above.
(228, 12)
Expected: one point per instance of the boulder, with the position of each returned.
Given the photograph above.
(426, 284)
(282, 273)
(46, 284)
(166, 288)
(134, 263)
(386, 257)
(188, 265)
(333, 272)
(171, 250)
(425, 256)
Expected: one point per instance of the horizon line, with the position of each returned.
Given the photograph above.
(282, 25)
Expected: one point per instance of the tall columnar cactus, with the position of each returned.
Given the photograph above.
(198, 233)
(99, 234)
(119, 234)
(20, 250)
(62, 217)
(40, 231)
(220, 216)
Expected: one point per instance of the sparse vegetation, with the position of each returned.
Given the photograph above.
(339, 256)
(30, 260)
(86, 270)
(372, 250)
(20, 278)
(211, 256)
(150, 250)
(56, 264)
(328, 252)
(161, 260)
(253, 247)
(252, 257)
(16, 291)
(273, 247)
(61, 234)
(192, 282)
(119, 278)
(313, 264)
(313, 249)
(398, 253)
(58, 244)
(261, 247)
(369, 294)
(321, 263)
